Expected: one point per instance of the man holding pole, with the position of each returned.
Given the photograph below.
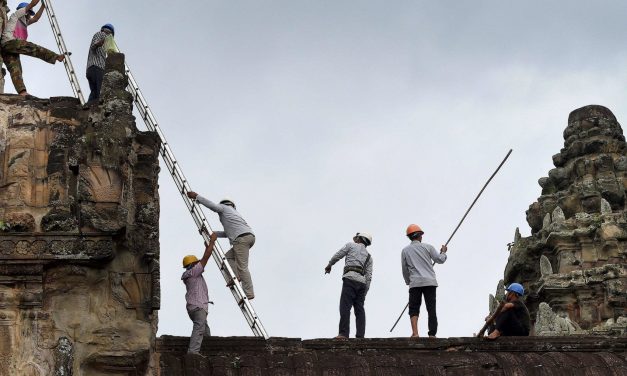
(417, 261)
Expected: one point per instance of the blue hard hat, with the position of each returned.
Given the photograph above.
(110, 27)
(517, 288)
(24, 5)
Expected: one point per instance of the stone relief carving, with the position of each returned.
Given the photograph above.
(550, 324)
(79, 269)
(545, 266)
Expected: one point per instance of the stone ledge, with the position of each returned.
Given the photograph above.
(571, 355)
(469, 344)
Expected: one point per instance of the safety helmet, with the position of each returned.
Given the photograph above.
(226, 201)
(517, 288)
(364, 236)
(189, 259)
(110, 27)
(23, 5)
(413, 228)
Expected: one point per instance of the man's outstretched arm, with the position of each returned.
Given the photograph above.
(208, 249)
(31, 5)
(37, 15)
(210, 204)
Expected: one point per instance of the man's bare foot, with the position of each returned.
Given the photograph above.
(60, 58)
(415, 336)
(494, 335)
(342, 338)
(24, 93)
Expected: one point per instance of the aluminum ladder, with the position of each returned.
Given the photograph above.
(177, 174)
(67, 62)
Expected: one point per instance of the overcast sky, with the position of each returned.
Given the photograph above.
(324, 118)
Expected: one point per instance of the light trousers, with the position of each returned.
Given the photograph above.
(237, 257)
(199, 330)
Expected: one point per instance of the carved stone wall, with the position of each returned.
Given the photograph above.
(575, 260)
(79, 235)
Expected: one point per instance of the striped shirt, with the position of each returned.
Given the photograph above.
(197, 294)
(97, 54)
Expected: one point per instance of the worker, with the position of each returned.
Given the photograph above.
(14, 43)
(356, 283)
(514, 317)
(197, 297)
(417, 265)
(240, 236)
(96, 60)
(4, 10)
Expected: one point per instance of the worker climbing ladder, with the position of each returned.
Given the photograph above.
(177, 174)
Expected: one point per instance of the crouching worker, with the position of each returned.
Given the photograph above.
(356, 282)
(514, 317)
(14, 43)
(197, 297)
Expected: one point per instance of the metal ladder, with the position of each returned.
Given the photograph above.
(69, 68)
(179, 180)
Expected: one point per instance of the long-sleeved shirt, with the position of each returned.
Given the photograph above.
(197, 294)
(97, 55)
(416, 261)
(232, 222)
(355, 254)
(16, 27)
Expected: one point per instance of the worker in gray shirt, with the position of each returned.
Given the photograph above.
(240, 235)
(356, 282)
(417, 260)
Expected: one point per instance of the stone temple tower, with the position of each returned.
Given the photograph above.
(79, 235)
(574, 264)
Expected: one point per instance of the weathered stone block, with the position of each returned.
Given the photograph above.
(77, 293)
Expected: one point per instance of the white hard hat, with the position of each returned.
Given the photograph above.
(227, 199)
(364, 235)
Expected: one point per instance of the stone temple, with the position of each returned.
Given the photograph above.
(574, 264)
(79, 261)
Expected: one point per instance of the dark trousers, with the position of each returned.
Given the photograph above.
(508, 325)
(95, 75)
(353, 295)
(415, 300)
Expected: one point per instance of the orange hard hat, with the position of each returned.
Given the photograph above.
(414, 228)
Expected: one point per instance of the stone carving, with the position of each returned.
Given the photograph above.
(550, 324)
(575, 259)
(56, 248)
(546, 222)
(79, 235)
(495, 300)
(606, 208)
(558, 215)
(612, 327)
(545, 266)
(64, 357)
